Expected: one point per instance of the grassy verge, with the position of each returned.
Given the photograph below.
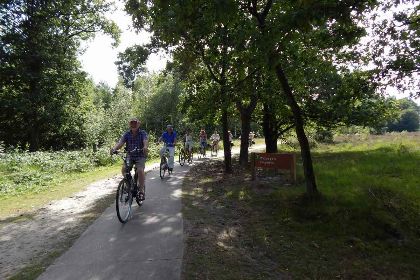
(366, 225)
(13, 205)
(68, 185)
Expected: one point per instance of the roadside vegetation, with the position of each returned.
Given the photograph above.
(30, 179)
(366, 224)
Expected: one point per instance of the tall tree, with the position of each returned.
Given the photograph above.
(408, 116)
(197, 32)
(393, 45)
(40, 75)
(299, 35)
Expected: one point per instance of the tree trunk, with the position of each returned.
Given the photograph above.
(245, 130)
(269, 130)
(311, 187)
(226, 143)
(246, 113)
(33, 70)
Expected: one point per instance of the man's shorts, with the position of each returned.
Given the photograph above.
(140, 163)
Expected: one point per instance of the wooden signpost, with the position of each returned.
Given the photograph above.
(284, 161)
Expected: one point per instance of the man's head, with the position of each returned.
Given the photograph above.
(134, 124)
(169, 128)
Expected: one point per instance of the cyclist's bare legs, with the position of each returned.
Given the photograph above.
(171, 158)
(140, 179)
(188, 148)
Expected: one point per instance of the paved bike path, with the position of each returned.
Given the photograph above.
(148, 246)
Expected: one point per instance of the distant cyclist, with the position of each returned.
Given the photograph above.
(136, 142)
(251, 138)
(230, 139)
(203, 140)
(169, 140)
(188, 142)
(214, 138)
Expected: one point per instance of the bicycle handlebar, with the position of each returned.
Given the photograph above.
(116, 152)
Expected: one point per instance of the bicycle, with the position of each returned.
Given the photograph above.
(214, 148)
(127, 188)
(164, 164)
(183, 156)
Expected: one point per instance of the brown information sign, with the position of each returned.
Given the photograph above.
(284, 161)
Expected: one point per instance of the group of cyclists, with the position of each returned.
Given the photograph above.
(136, 146)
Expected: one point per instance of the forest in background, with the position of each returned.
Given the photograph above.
(237, 65)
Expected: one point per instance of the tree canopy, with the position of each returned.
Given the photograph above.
(41, 84)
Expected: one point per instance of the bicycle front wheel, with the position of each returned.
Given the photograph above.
(162, 169)
(181, 158)
(124, 199)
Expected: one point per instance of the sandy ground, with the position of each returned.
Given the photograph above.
(38, 234)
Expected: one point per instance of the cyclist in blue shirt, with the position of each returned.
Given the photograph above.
(136, 142)
(169, 140)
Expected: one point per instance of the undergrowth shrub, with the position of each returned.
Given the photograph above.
(23, 171)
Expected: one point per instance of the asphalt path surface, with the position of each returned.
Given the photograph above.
(149, 246)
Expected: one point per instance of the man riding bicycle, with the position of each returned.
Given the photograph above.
(230, 139)
(136, 142)
(188, 144)
(169, 140)
(214, 138)
(203, 140)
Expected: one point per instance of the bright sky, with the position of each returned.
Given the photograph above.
(99, 58)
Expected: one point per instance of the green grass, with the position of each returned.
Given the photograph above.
(61, 185)
(365, 225)
(67, 185)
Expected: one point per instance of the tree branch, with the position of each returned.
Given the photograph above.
(208, 66)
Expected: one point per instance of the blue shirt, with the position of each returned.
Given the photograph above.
(169, 139)
(134, 141)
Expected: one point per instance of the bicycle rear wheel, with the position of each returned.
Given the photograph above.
(124, 199)
(213, 150)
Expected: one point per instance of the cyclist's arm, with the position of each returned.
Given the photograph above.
(119, 144)
(145, 146)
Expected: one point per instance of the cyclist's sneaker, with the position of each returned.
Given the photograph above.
(141, 195)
